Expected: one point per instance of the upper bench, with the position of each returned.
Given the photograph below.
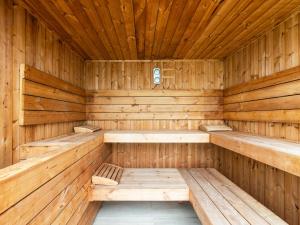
(281, 154)
(134, 136)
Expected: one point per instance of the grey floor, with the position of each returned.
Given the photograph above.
(146, 213)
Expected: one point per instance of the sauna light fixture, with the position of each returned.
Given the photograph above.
(156, 75)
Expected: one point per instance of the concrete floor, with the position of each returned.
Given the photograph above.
(146, 213)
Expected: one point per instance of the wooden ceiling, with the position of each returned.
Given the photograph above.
(159, 29)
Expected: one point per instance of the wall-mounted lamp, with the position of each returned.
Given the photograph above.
(156, 75)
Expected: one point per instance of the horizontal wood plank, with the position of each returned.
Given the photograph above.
(280, 154)
(158, 93)
(285, 89)
(42, 117)
(152, 108)
(31, 73)
(287, 102)
(41, 90)
(158, 116)
(156, 137)
(269, 116)
(34, 103)
(155, 100)
(281, 77)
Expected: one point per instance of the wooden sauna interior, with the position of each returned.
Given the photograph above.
(69, 63)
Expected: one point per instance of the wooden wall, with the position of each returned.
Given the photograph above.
(136, 77)
(25, 39)
(5, 83)
(274, 51)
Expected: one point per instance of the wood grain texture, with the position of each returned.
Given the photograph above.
(55, 183)
(217, 200)
(6, 83)
(35, 45)
(134, 136)
(277, 153)
(271, 99)
(144, 184)
(45, 99)
(189, 95)
(273, 52)
(167, 29)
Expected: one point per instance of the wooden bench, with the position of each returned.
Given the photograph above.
(54, 180)
(41, 147)
(281, 154)
(144, 185)
(133, 136)
(217, 200)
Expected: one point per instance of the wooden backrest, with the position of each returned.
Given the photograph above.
(154, 104)
(273, 99)
(48, 99)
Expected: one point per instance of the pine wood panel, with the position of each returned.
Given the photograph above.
(6, 83)
(273, 98)
(275, 51)
(164, 155)
(51, 92)
(143, 29)
(35, 45)
(277, 153)
(129, 86)
(277, 190)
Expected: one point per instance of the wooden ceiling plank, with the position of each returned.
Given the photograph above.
(240, 13)
(173, 20)
(51, 20)
(139, 7)
(157, 29)
(65, 14)
(262, 15)
(128, 15)
(164, 9)
(87, 26)
(191, 36)
(219, 14)
(182, 26)
(151, 20)
(93, 16)
(107, 23)
(239, 24)
(269, 23)
(118, 22)
(192, 27)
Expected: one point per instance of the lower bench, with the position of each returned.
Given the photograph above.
(217, 200)
(144, 185)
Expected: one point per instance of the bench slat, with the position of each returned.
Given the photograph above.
(231, 214)
(243, 208)
(204, 207)
(260, 209)
(280, 154)
(217, 200)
